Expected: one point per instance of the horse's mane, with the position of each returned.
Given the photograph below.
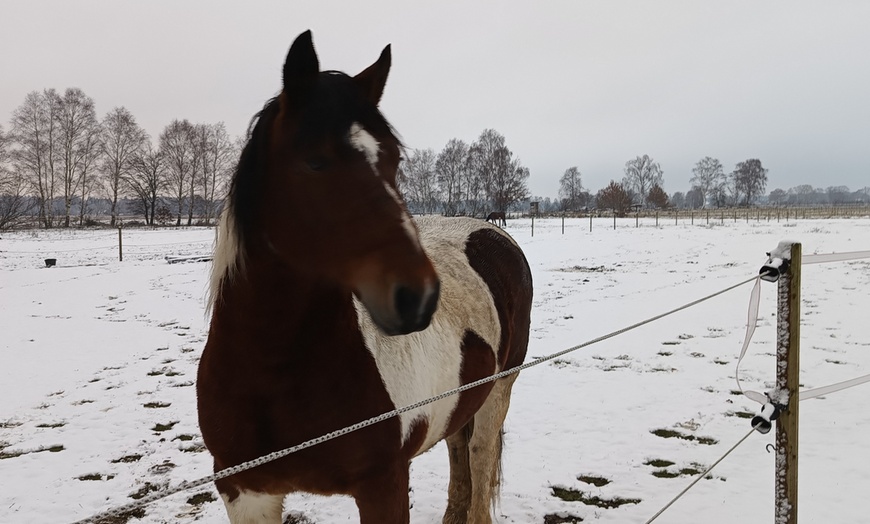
(237, 216)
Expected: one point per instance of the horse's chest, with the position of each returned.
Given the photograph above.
(425, 364)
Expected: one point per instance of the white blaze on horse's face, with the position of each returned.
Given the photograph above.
(365, 143)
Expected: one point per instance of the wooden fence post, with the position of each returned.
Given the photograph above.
(787, 380)
(120, 246)
(533, 225)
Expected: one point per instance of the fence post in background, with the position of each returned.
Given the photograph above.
(614, 220)
(563, 224)
(657, 219)
(590, 222)
(533, 225)
(676, 216)
(787, 380)
(120, 246)
(637, 219)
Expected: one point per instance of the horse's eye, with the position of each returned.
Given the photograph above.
(316, 163)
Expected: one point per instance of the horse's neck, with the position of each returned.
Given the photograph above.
(275, 306)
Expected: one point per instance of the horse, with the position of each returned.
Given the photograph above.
(497, 218)
(322, 320)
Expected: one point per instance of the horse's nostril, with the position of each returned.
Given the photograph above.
(407, 302)
(415, 309)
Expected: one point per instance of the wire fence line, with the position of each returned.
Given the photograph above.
(805, 395)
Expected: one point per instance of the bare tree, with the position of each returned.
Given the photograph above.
(641, 174)
(678, 199)
(176, 146)
(695, 198)
(615, 197)
(837, 195)
(36, 136)
(79, 134)
(571, 190)
(218, 157)
(708, 176)
(777, 197)
(146, 179)
(749, 178)
(14, 202)
(501, 176)
(451, 170)
(421, 188)
(122, 141)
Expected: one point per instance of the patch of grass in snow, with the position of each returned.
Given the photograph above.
(164, 427)
(671, 343)
(665, 353)
(574, 495)
(739, 414)
(193, 448)
(659, 463)
(561, 518)
(670, 433)
(55, 425)
(201, 498)
(124, 518)
(144, 490)
(297, 518)
(82, 402)
(18, 453)
(161, 469)
(95, 476)
(154, 405)
(184, 437)
(8, 424)
(595, 481)
(127, 459)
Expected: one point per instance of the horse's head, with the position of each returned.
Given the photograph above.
(317, 185)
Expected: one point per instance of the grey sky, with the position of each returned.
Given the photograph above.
(591, 84)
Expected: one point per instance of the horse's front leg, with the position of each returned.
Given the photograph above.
(250, 507)
(383, 499)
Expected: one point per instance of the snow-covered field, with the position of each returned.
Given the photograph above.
(98, 359)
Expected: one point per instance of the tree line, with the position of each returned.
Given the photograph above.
(464, 179)
(59, 162)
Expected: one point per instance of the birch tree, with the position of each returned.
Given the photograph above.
(176, 147)
(79, 146)
(708, 177)
(146, 179)
(122, 141)
(571, 190)
(451, 168)
(36, 137)
(641, 174)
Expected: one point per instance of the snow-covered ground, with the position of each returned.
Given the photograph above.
(98, 359)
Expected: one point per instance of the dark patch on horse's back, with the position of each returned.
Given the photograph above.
(478, 361)
(502, 265)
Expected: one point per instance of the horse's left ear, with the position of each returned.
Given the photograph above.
(374, 78)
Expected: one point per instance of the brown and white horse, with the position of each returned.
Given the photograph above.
(497, 217)
(322, 320)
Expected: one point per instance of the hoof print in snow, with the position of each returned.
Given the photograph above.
(161, 469)
(144, 490)
(52, 425)
(193, 448)
(155, 405)
(595, 481)
(123, 518)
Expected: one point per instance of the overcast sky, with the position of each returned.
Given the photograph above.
(568, 83)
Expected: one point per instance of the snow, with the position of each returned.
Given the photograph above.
(99, 356)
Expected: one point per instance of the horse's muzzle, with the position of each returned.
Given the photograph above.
(415, 308)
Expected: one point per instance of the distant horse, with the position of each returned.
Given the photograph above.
(497, 218)
(322, 320)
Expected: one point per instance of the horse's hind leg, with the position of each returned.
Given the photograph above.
(249, 507)
(484, 451)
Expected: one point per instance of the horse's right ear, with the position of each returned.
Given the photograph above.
(301, 66)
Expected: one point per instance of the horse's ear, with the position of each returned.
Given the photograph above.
(374, 78)
(301, 66)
